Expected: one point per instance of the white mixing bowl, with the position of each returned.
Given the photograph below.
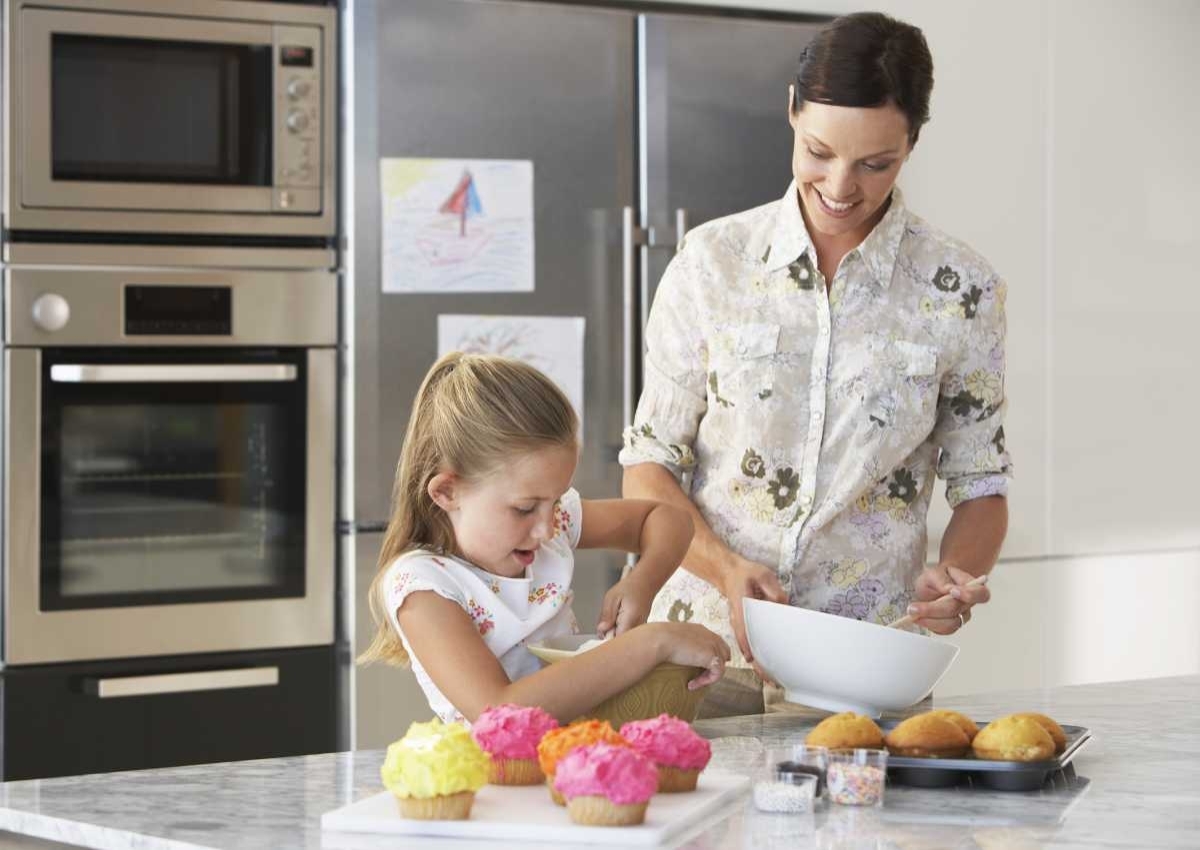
(840, 664)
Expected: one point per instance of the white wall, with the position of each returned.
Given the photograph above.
(1063, 146)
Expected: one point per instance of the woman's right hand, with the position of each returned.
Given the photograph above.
(691, 645)
(746, 578)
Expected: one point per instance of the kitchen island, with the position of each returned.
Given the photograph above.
(1137, 786)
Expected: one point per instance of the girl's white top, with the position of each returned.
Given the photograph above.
(508, 612)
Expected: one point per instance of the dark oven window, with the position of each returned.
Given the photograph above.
(143, 110)
(157, 493)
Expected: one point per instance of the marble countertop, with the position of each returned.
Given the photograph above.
(1138, 787)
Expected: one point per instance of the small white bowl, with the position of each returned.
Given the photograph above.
(840, 664)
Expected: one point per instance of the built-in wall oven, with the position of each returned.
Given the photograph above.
(170, 117)
(170, 462)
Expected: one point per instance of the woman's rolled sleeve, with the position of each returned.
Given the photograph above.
(674, 398)
(974, 460)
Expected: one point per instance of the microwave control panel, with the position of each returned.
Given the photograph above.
(298, 119)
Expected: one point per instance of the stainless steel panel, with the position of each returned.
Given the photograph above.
(34, 636)
(35, 202)
(551, 84)
(715, 137)
(177, 683)
(166, 256)
(269, 307)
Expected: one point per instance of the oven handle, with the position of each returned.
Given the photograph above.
(90, 373)
(175, 683)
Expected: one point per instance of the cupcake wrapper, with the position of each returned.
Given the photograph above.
(515, 772)
(444, 807)
(558, 798)
(600, 811)
(673, 779)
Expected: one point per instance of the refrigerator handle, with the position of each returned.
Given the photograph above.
(631, 235)
(681, 227)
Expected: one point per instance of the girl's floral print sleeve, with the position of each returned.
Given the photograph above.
(568, 518)
(416, 572)
(814, 416)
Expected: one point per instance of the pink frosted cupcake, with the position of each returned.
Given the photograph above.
(510, 735)
(606, 785)
(674, 747)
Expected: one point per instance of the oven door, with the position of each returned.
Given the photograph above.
(168, 501)
(150, 123)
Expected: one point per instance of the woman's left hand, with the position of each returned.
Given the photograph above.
(627, 604)
(950, 615)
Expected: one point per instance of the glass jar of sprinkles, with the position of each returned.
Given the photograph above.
(857, 777)
(784, 792)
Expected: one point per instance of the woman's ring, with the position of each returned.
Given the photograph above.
(962, 620)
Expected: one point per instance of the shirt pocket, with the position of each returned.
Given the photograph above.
(742, 372)
(903, 395)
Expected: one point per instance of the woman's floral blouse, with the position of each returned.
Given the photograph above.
(808, 427)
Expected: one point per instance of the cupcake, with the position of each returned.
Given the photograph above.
(969, 726)
(558, 742)
(606, 784)
(510, 735)
(1052, 728)
(1013, 738)
(846, 731)
(434, 771)
(674, 747)
(928, 736)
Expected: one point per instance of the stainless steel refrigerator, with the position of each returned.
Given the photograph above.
(637, 125)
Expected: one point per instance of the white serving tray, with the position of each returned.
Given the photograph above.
(526, 813)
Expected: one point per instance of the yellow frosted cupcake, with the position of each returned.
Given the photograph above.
(434, 771)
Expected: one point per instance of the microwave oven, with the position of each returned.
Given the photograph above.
(170, 117)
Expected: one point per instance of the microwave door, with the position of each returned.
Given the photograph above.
(122, 112)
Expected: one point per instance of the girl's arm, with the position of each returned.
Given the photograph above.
(658, 532)
(443, 637)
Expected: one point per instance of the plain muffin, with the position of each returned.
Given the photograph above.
(928, 736)
(1013, 738)
(846, 731)
(1056, 732)
(969, 726)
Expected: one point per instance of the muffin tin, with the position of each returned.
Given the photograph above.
(986, 773)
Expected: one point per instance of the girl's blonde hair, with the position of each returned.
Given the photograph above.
(472, 413)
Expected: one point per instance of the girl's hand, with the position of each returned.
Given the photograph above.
(691, 645)
(945, 618)
(627, 604)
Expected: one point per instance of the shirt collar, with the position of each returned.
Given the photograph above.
(879, 250)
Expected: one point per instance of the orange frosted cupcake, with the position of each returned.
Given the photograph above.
(606, 784)
(557, 743)
(510, 735)
(673, 745)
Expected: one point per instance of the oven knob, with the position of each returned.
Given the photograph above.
(297, 89)
(51, 312)
(297, 121)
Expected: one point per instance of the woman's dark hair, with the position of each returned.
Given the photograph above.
(868, 59)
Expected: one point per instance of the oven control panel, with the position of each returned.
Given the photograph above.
(178, 311)
(298, 119)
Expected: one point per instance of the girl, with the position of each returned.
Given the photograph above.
(478, 557)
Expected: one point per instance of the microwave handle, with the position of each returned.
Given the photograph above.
(176, 683)
(92, 373)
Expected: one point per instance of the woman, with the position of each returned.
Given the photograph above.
(813, 363)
